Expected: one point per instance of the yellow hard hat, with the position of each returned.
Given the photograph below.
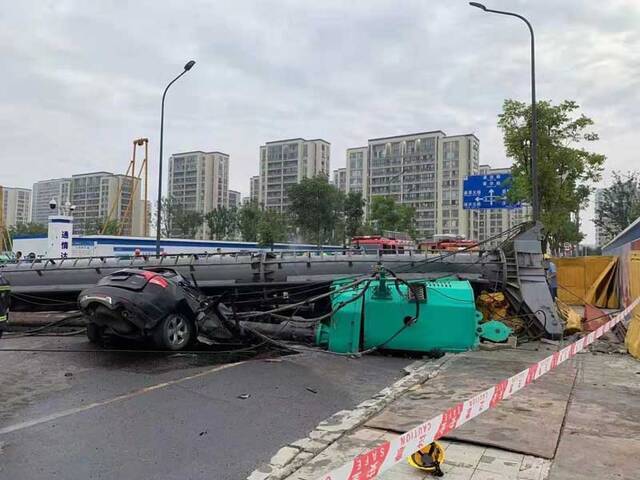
(428, 459)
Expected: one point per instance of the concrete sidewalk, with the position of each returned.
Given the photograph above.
(596, 410)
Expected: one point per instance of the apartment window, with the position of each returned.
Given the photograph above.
(451, 153)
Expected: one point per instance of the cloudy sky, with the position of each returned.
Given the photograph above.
(81, 79)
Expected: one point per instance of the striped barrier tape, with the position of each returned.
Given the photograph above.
(368, 465)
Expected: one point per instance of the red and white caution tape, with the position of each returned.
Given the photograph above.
(369, 464)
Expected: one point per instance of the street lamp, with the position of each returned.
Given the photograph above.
(189, 65)
(534, 117)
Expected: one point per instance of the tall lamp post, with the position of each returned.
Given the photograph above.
(187, 67)
(534, 118)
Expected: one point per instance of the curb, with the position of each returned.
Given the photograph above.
(295, 455)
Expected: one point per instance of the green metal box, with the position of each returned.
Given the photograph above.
(447, 320)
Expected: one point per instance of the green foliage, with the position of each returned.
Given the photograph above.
(620, 205)
(386, 214)
(316, 208)
(353, 213)
(249, 217)
(222, 223)
(101, 226)
(109, 227)
(407, 222)
(565, 171)
(272, 228)
(27, 229)
(176, 220)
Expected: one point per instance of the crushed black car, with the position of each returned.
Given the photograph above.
(154, 304)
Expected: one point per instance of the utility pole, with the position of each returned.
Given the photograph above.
(535, 200)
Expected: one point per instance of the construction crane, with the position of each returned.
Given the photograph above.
(136, 177)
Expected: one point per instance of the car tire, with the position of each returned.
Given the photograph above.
(174, 332)
(94, 333)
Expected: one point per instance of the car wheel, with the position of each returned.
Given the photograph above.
(174, 332)
(94, 333)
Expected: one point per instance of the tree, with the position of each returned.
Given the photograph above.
(272, 228)
(222, 223)
(176, 220)
(108, 227)
(620, 205)
(353, 212)
(187, 223)
(384, 214)
(407, 221)
(565, 171)
(249, 217)
(27, 229)
(315, 206)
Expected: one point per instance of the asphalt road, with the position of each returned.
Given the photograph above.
(122, 415)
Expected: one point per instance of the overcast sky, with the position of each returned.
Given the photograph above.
(80, 80)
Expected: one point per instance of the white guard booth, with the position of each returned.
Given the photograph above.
(60, 236)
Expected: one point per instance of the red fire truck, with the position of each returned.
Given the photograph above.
(379, 242)
(448, 243)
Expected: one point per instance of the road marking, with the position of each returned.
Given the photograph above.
(119, 398)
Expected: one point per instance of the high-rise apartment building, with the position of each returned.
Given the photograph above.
(357, 170)
(284, 163)
(254, 188)
(424, 170)
(58, 189)
(101, 196)
(340, 179)
(199, 181)
(602, 238)
(235, 199)
(16, 205)
(493, 221)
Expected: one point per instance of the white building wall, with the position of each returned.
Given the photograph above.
(200, 182)
(424, 170)
(286, 162)
(16, 205)
(45, 190)
(357, 171)
(340, 179)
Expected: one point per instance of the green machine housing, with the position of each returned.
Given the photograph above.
(447, 319)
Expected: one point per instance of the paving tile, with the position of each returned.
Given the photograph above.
(484, 475)
(498, 465)
(403, 471)
(464, 455)
(366, 434)
(504, 455)
(455, 472)
(533, 468)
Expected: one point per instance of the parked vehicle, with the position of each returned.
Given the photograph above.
(374, 243)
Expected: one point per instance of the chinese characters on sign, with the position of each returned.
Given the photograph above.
(487, 191)
(64, 243)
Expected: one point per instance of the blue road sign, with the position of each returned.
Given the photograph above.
(487, 191)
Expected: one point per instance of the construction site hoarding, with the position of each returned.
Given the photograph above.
(627, 247)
